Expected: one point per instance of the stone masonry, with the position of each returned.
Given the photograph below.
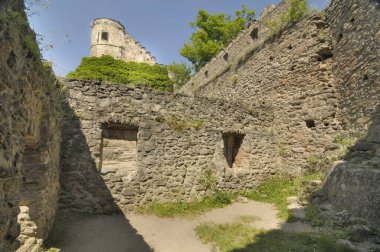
(321, 78)
(29, 136)
(292, 74)
(352, 188)
(178, 139)
(110, 38)
(285, 99)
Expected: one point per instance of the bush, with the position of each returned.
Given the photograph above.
(119, 71)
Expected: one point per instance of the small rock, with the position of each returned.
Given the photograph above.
(292, 199)
(315, 182)
(242, 199)
(297, 210)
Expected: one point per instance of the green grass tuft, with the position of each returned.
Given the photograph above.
(53, 250)
(241, 237)
(277, 189)
(227, 237)
(173, 209)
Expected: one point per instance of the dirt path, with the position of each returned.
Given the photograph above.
(177, 234)
(137, 233)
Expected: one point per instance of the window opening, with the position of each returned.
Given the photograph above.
(232, 143)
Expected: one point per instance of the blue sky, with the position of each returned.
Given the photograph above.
(160, 25)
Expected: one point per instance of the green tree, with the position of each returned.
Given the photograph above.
(213, 33)
(179, 73)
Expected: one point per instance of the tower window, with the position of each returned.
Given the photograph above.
(105, 36)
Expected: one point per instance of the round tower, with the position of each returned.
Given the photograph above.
(107, 38)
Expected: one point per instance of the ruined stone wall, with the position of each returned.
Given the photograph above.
(109, 37)
(178, 139)
(253, 36)
(355, 26)
(292, 73)
(351, 193)
(29, 135)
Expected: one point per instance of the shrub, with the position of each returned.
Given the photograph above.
(118, 71)
(208, 179)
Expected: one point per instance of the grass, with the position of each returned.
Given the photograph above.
(53, 250)
(312, 216)
(243, 237)
(277, 189)
(346, 140)
(178, 124)
(227, 237)
(181, 208)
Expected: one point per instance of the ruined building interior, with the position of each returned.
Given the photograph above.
(258, 109)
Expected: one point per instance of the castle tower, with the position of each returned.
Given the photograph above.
(110, 38)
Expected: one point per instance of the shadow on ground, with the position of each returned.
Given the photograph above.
(88, 219)
(95, 233)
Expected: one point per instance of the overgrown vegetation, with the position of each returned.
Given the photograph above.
(118, 71)
(322, 162)
(178, 124)
(297, 9)
(172, 209)
(243, 237)
(277, 189)
(53, 250)
(208, 179)
(180, 73)
(213, 33)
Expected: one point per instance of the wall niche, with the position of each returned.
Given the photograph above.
(118, 149)
(232, 146)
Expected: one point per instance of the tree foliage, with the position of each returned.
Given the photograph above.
(213, 33)
(180, 73)
(297, 10)
(118, 71)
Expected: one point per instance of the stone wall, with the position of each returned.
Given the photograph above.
(352, 188)
(355, 28)
(292, 74)
(109, 37)
(253, 36)
(179, 138)
(29, 135)
(351, 193)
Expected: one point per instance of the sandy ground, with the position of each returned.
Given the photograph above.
(135, 233)
(177, 234)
